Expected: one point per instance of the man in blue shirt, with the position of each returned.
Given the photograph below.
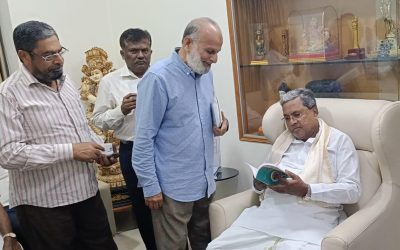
(173, 151)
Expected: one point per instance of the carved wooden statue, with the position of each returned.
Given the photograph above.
(97, 65)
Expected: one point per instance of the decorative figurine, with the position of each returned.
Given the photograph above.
(97, 65)
(259, 42)
(285, 42)
(385, 8)
(356, 52)
(388, 46)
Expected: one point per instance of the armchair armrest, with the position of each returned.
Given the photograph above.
(372, 227)
(225, 211)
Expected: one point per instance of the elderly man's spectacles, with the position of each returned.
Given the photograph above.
(296, 116)
(51, 57)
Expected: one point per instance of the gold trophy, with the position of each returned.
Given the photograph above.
(356, 52)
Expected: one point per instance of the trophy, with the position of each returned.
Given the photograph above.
(356, 52)
(259, 45)
(388, 46)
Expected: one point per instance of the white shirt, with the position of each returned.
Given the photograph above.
(4, 187)
(290, 217)
(345, 171)
(107, 114)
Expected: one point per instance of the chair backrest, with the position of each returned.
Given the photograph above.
(373, 125)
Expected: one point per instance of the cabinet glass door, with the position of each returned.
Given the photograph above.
(339, 49)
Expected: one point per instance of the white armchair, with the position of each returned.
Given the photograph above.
(374, 126)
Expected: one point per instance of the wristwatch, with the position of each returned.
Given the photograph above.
(307, 197)
(12, 235)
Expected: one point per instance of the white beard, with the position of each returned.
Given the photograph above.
(195, 63)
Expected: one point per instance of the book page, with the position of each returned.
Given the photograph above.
(267, 173)
(253, 169)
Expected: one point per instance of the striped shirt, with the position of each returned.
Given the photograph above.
(38, 126)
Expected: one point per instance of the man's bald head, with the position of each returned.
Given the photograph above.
(201, 25)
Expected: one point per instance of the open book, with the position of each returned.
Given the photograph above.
(267, 173)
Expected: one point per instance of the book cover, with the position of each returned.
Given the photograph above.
(216, 114)
(267, 173)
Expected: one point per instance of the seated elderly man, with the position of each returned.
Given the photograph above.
(323, 170)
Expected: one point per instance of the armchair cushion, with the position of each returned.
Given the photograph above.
(225, 211)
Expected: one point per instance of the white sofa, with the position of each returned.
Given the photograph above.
(374, 126)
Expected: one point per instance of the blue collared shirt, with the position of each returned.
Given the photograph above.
(173, 150)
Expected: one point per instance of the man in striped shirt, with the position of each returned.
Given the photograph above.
(49, 149)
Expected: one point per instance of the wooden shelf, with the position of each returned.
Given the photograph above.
(341, 61)
(122, 209)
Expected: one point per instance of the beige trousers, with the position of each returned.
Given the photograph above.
(177, 221)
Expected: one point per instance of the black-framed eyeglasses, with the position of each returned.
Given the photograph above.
(51, 57)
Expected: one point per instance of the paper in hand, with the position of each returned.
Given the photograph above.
(108, 149)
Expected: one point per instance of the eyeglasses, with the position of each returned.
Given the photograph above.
(51, 57)
(296, 116)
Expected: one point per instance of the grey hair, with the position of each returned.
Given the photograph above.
(27, 34)
(194, 26)
(306, 96)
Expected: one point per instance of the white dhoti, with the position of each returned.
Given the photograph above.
(237, 237)
(281, 222)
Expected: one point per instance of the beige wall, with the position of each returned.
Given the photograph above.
(83, 24)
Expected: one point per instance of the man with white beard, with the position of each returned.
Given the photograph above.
(174, 148)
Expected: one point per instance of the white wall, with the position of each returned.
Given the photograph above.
(84, 24)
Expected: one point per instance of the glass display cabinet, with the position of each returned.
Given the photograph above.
(339, 49)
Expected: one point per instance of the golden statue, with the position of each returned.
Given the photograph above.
(356, 52)
(354, 28)
(97, 66)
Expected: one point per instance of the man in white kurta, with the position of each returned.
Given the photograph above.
(323, 167)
